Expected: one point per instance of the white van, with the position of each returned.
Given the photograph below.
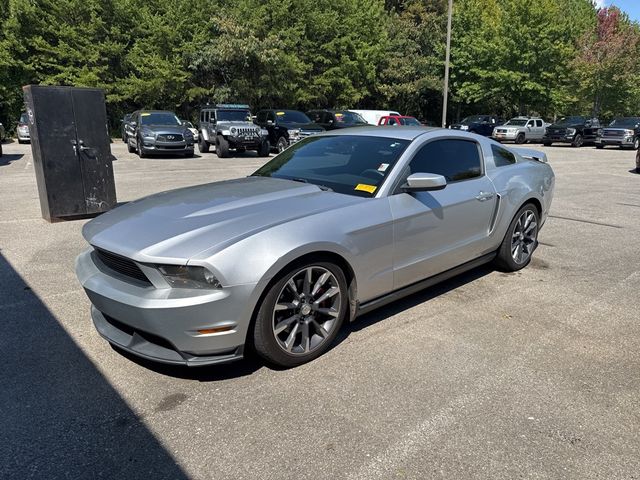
(373, 116)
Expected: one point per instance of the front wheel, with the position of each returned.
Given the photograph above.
(578, 141)
(520, 241)
(520, 139)
(636, 143)
(141, 153)
(282, 144)
(599, 147)
(203, 145)
(546, 144)
(222, 147)
(263, 150)
(301, 314)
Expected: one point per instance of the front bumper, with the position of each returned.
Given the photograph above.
(150, 147)
(566, 138)
(618, 141)
(161, 324)
(505, 137)
(23, 136)
(250, 143)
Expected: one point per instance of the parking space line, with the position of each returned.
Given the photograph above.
(591, 222)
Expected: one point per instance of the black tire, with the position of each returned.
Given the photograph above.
(222, 147)
(636, 143)
(599, 147)
(546, 144)
(188, 154)
(505, 259)
(265, 339)
(521, 138)
(130, 149)
(281, 144)
(140, 150)
(264, 149)
(578, 141)
(0, 148)
(20, 142)
(203, 145)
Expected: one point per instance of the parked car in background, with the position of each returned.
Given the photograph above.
(336, 119)
(577, 130)
(399, 120)
(286, 127)
(638, 161)
(192, 129)
(337, 225)
(22, 129)
(229, 126)
(372, 117)
(123, 130)
(520, 130)
(151, 132)
(480, 124)
(622, 132)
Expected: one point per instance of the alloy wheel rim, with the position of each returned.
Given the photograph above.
(281, 146)
(524, 237)
(579, 141)
(307, 310)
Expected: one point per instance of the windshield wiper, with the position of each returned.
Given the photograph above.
(319, 185)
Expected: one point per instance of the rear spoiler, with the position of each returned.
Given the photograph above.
(531, 154)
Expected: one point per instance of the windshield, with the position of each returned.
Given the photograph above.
(474, 119)
(292, 116)
(349, 118)
(159, 118)
(233, 116)
(349, 164)
(517, 122)
(625, 122)
(24, 118)
(571, 121)
(410, 121)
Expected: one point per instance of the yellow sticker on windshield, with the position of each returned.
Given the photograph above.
(363, 187)
(145, 114)
(279, 113)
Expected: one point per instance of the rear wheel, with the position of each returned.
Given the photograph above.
(578, 141)
(546, 144)
(520, 241)
(222, 147)
(301, 314)
(520, 139)
(203, 145)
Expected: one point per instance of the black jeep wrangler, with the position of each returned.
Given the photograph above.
(576, 130)
(230, 126)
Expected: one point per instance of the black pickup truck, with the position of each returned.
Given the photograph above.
(622, 132)
(480, 124)
(576, 130)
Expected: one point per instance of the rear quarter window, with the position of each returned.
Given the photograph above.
(502, 157)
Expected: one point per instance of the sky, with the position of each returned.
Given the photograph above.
(631, 7)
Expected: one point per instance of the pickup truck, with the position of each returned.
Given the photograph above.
(622, 132)
(520, 130)
(399, 120)
(576, 130)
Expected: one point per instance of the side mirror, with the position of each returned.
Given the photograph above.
(424, 182)
(183, 123)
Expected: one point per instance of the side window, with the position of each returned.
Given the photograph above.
(261, 118)
(530, 123)
(271, 116)
(392, 121)
(539, 123)
(502, 157)
(455, 160)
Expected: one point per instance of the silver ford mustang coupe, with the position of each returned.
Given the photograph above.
(334, 226)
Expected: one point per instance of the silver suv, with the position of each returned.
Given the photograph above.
(230, 126)
(520, 130)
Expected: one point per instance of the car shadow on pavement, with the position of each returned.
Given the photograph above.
(9, 158)
(61, 418)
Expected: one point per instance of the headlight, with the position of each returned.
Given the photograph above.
(148, 134)
(571, 131)
(464, 127)
(264, 132)
(599, 132)
(295, 132)
(180, 276)
(233, 130)
(628, 132)
(512, 130)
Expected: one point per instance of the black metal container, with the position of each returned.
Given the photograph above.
(71, 151)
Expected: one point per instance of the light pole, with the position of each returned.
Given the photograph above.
(446, 67)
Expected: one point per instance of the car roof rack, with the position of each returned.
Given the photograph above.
(232, 106)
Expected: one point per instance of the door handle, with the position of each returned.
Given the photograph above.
(484, 196)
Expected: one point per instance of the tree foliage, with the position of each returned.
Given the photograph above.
(547, 57)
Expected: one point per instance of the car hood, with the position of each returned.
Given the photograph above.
(176, 225)
(565, 126)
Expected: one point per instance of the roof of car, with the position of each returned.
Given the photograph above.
(404, 133)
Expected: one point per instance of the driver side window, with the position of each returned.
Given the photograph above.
(454, 159)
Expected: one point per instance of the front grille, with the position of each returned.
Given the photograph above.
(170, 137)
(557, 131)
(613, 133)
(121, 265)
(500, 130)
(246, 132)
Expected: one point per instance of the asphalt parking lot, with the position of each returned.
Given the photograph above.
(490, 375)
